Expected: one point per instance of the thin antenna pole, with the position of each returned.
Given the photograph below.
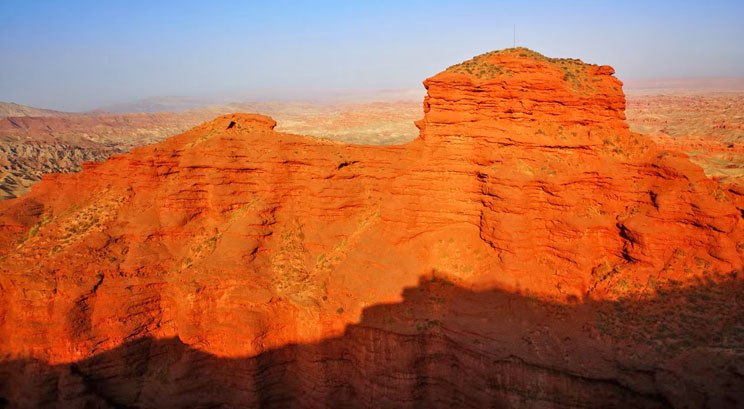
(515, 36)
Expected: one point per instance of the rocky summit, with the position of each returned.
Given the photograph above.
(526, 250)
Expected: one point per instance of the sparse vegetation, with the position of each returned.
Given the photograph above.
(674, 317)
(482, 67)
(426, 324)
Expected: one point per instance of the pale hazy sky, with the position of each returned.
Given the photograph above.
(78, 55)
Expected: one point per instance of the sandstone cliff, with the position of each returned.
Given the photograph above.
(526, 250)
(59, 142)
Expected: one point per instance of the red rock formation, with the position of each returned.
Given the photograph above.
(58, 142)
(566, 262)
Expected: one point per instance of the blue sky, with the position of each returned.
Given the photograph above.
(77, 55)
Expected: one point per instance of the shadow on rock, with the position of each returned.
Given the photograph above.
(442, 346)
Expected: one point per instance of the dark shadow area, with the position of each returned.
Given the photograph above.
(441, 347)
(345, 164)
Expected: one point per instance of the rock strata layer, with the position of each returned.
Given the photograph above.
(526, 250)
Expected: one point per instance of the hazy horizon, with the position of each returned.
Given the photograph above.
(84, 55)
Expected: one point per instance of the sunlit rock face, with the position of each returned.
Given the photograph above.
(526, 250)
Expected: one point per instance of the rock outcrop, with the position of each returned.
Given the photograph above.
(59, 142)
(526, 250)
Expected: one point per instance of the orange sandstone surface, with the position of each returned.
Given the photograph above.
(526, 250)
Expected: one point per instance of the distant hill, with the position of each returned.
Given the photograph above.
(683, 86)
(175, 103)
(12, 109)
(161, 104)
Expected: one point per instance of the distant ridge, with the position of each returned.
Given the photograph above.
(701, 85)
(8, 109)
(180, 103)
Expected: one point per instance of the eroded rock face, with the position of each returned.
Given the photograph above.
(58, 142)
(527, 250)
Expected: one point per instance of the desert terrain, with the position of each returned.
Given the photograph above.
(523, 245)
(709, 127)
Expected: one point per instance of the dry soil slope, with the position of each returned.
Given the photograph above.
(12, 109)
